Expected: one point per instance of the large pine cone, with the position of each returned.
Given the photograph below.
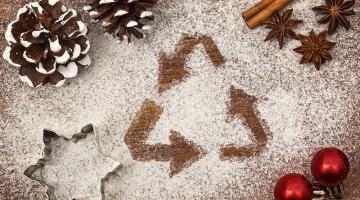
(47, 42)
(122, 18)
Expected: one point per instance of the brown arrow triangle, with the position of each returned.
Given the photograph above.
(172, 68)
(184, 153)
(181, 153)
(244, 106)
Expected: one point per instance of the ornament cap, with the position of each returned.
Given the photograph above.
(334, 192)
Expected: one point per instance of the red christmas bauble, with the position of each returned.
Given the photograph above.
(330, 166)
(293, 187)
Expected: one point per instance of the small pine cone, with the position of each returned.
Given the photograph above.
(47, 42)
(122, 18)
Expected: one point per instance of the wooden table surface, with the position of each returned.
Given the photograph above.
(13, 186)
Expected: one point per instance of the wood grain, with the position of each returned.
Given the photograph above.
(15, 186)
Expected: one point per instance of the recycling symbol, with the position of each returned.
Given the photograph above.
(182, 153)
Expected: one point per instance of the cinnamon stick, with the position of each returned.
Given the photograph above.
(267, 12)
(256, 9)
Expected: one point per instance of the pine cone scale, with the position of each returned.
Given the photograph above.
(84, 44)
(101, 10)
(56, 79)
(121, 10)
(34, 53)
(62, 56)
(136, 33)
(37, 9)
(110, 23)
(83, 61)
(69, 71)
(14, 56)
(14, 31)
(47, 66)
(71, 47)
(54, 11)
(29, 75)
(54, 44)
(27, 38)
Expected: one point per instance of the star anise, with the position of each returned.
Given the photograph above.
(282, 27)
(315, 48)
(335, 13)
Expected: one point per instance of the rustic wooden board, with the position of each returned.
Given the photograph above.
(15, 186)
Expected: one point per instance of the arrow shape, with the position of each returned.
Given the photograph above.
(172, 68)
(181, 153)
(243, 105)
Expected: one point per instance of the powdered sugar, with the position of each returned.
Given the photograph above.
(121, 13)
(86, 50)
(86, 61)
(76, 52)
(23, 42)
(60, 83)
(53, 2)
(83, 29)
(62, 59)
(27, 58)
(40, 68)
(6, 56)
(26, 79)
(38, 33)
(36, 7)
(71, 13)
(107, 1)
(8, 34)
(69, 71)
(304, 109)
(55, 45)
(22, 11)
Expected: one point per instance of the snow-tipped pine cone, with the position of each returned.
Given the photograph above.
(47, 42)
(122, 18)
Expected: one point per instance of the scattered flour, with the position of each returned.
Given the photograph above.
(305, 109)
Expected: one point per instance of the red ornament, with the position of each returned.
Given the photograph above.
(293, 187)
(330, 167)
